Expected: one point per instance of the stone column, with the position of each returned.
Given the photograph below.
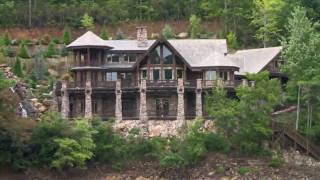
(180, 108)
(143, 101)
(65, 100)
(199, 98)
(118, 111)
(88, 100)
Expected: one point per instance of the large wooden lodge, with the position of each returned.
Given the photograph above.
(154, 79)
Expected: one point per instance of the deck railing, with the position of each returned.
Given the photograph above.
(159, 83)
(162, 83)
(159, 115)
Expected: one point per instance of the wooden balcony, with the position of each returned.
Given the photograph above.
(104, 84)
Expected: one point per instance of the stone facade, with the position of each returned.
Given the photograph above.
(118, 111)
(199, 98)
(64, 100)
(180, 108)
(143, 102)
(88, 100)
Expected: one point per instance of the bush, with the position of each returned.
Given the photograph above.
(66, 36)
(6, 39)
(104, 34)
(216, 143)
(75, 150)
(232, 41)
(23, 53)
(119, 35)
(56, 40)
(51, 51)
(172, 161)
(46, 39)
(8, 51)
(87, 22)
(243, 170)
(17, 68)
(167, 32)
(51, 127)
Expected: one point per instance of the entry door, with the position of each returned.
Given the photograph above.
(162, 107)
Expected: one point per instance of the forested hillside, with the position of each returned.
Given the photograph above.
(253, 21)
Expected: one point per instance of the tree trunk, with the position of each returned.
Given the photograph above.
(30, 13)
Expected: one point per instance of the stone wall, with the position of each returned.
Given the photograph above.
(163, 128)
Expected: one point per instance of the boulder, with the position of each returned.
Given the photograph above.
(42, 109)
(182, 35)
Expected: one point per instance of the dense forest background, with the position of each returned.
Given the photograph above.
(253, 21)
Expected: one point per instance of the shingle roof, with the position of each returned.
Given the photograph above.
(254, 60)
(89, 39)
(203, 52)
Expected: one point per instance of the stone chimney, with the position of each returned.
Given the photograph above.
(142, 36)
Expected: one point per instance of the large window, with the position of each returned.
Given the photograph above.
(111, 76)
(211, 75)
(156, 74)
(155, 56)
(168, 74)
(167, 55)
(126, 76)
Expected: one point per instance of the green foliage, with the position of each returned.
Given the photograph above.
(172, 160)
(243, 170)
(220, 169)
(17, 68)
(104, 34)
(194, 26)
(167, 32)
(119, 34)
(87, 22)
(51, 127)
(51, 51)
(66, 36)
(246, 122)
(8, 51)
(75, 150)
(6, 39)
(23, 52)
(276, 161)
(232, 41)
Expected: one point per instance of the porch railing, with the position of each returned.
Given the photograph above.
(105, 84)
(129, 83)
(162, 83)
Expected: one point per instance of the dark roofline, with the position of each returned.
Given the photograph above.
(88, 46)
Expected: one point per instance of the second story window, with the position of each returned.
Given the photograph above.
(211, 75)
(113, 58)
(111, 76)
(179, 73)
(155, 56)
(224, 75)
(130, 58)
(168, 74)
(167, 56)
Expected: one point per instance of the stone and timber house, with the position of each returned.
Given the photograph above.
(154, 80)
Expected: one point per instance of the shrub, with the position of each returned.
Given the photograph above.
(172, 161)
(56, 40)
(243, 170)
(167, 32)
(23, 53)
(52, 126)
(8, 51)
(232, 41)
(75, 150)
(66, 36)
(104, 34)
(194, 26)
(17, 68)
(46, 39)
(220, 169)
(51, 51)
(119, 34)
(216, 143)
(87, 22)
(6, 39)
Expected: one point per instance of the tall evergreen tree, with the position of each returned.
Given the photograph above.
(23, 52)
(17, 68)
(66, 36)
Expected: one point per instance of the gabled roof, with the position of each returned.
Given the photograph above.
(254, 60)
(89, 39)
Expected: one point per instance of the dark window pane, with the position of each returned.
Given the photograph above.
(167, 55)
(144, 74)
(156, 74)
(179, 73)
(168, 74)
(115, 58)
(155, 56)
